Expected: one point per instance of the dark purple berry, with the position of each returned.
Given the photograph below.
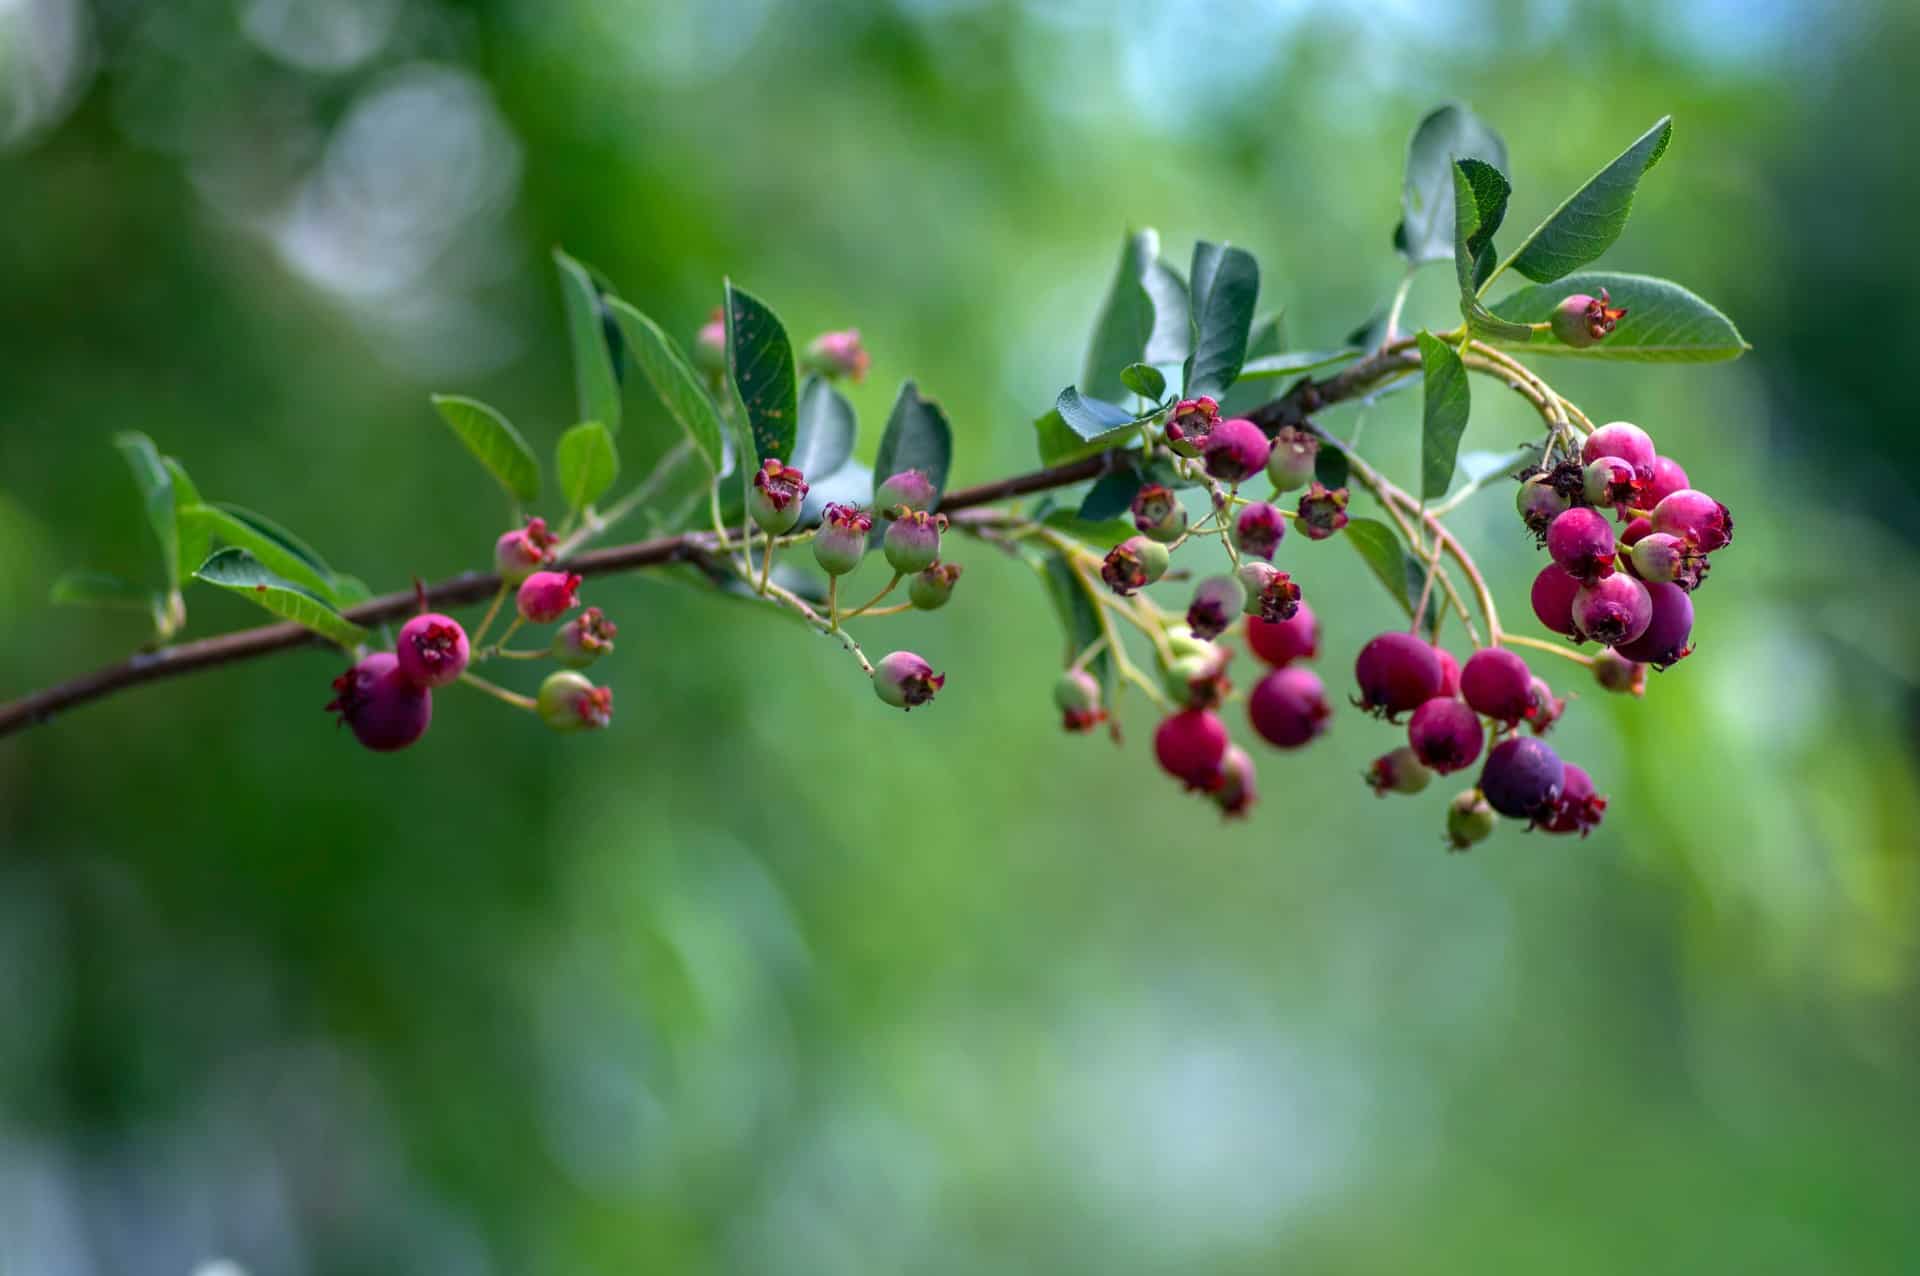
(1581, 542)
(1664, 641)
(1578, 808)
(1553, 593)
(1613, 611)
(1495, 682)
(1397, 674)
(1444, 734)
(432, 650)
(1288, 708)
(1523, 778)
(384, 709)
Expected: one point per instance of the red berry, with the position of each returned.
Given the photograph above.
(1496, 682)
(1623, 440)
(1553, 593)
(1613, 611)
(1578, 808)
(1397, 673)
(1283, 642)
(1523, 778)
(547, 596)
(1662, 556)
(432, 650)
(1543, 707)
(1449, 671)
(384, 709)
(1445, 735)
(1288, 708)
(1696, 518)
(1236, 449)
(1665, 639)
(1581, 542)
(1668, 478)
(1190, 746)
(519, 553)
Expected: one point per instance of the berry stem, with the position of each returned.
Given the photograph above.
(500, 693)
(493, 610)
(1091, 650)
(833, 604)
(766, 565)
(520, 654)
(642, 492)
(1559, 649)
(861, 609)
(812, 617)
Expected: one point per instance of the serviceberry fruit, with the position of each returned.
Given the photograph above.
(1580, 321)
(1613, 611)
(1523, 778)
(1445, 735)
(1283, 642)
(1158, 514)
(1322, 512)
(432, 650)
(1397, 674)
(1696, 518)
(1236, 450)
(1134, 564)
(1581, 542)
(1553, 595)
(776, 497)
(1288, 708)
(385, 710)
(1271, 594)
(841, 542)
(1198, 680)
(1623, 441)
(929, 590)
(838, 354)
(904, 680)
(1400, 771)
(1668, 478)
(912, 542)
(1258, 530)
(584, 639)
(1236, 792)
(568, 701)
(1543, 707)
(1290, 463)
(546, 596)
(1540, 502)
(911, 488)
(1449, 671)
(523, 551)
(1190, 746)
(1618, 674)
(1469, 820)
(1216, 601)
(1662, 556)
(1077, 694)
(1664, 642)
(710, 343)
(1611, 483)
(1495, 682)
(1578, 808)
(1189, 424)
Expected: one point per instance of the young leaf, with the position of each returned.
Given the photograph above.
(1446, 134)
(825, 437)
(760, 359)
(1225, 287)
(1480, 194)
(1144, 380)
(101, 589)
(1400, 573)
(1111, 495)
(1445, 413)
(236, 570)
(917, 437)
(494, 443)
(193, 547)
(210, 523)
(1090, 418)
(595, 382)
(586, 463)
(1593, 217)
(674, 380)
(156, 496)
(1665, 323)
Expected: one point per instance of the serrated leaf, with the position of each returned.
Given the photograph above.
(1111, 495)
(236, 570)
(1448, 403)
(1078, 614)
(1589, 222)
(674, 380)
(1392, 565)
(1225, 287)
(596, 384)
(1665, 323)
(102, 589)
(1090, 418)
(917, 437)
(760, 361)
(155, 485)
(1144, 380)
(586, 463)
(1144, 318)
(1297, 362)
(826, 432)
(212, 523)
(1444, 135)
(494, 443)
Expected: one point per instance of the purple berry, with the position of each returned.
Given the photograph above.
(1625, 441)
(775, 499)
(1258, 530)
(568, 701)
(1236, 793)
(1495, 682)
(1077, 695)
(1190, 746)
(1668, 478)
(1543, 707)
(584, 639)
(1134, 564)
(1400, 771)
(1322, 512)
(1581, 542)
(1237, 449)
(1580, 321)
(1291, 463)
(1553, 594)
(1444, 734)
(1662, 556)
(912, 542)
(1397, 673)
(1618, 674)
(1449, 671)
(1613, 611)
(1216, 601)
(1469, 820)
(1539, 503)
(546, 596)
(1158, 514)
(911, 488)
(1282, 643)
(1578, 808)
(929, 590)
(523, 551)
(1664, 642)
(841, 542)
(432, 650)
(1288, 708)
(384, 709)
(904, 680)
(1189, 424)
(1523, 778)
(1696, 518)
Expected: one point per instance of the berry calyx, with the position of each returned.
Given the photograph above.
(546, 596)
(1397, 673)
(1613, 611)
(432, 650)
(929, 590)
(841, 542)
(1400, 771)
(1696, 518)
(1288, 708)
(1189, 424)
(385, 710)
(1495, 682)
(1662, 556)
(1158, 514)
(1270, 593)
(1322, 511)
(584, 639)
(912, 542)
(1664, 641)
(523, 551)
(1077, 695)
(1553, 595)
(1236, 450)
(911, 488)
(1523, 778)
(776, 497)
(568, 701)
(1216, 601)
(1578, 808)
(1236, 793)
(1290, 463)
(1581, 321)
(1258, 530)
(903, 680)
(838, 354)
(1445, 735)
(1190, 746)
(1280, 643)
(1469, 820)
(1134, 564)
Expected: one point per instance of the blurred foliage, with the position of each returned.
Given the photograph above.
(768, 979)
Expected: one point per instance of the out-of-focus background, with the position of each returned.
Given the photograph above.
(771, 979)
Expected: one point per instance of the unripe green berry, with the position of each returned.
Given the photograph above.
(1290, 464)
(776, 497)
(569, 701)
(1469, 820)
(912, 543)
(1077, 694)
(841, 542)
(1134, 564)
(911, 488)
(1158, 514)
(929, 590)
(903, 680)
(584, 639)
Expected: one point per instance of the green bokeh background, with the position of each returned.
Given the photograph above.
(770, 979)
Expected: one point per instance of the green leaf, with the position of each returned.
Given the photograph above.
(193, 546)
(1144, 380)
(1091, 418)
(269, 547)
(1399, 573)
(237, 570)
(1330, 466)
(1480, 194)
(1225, 287)
(595, 382)
(1296, 362)
(1079, 614)
(1111, 495)
(494, 443)
(1059, 445)
(1144, 318)
(586, 463)
(1593, 217)
(1446, 134)
(101, 589)
(156, 496)
(1665, 323)
(673, 378)
(826, 432)
(760, 358)
(1104, 534)
(917, 437)
(1448, 402)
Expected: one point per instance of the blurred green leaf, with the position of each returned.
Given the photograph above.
(150, 475)
(1330, 466)
(1143, 317)
(917, 437)
(1665, 323)
(586, 463)
(1399, 573)
(673, 379)
(596, 384)
(103, 589)
(494, 443)
(1445, 134)
(193, 545)
(1296, 362)
(1444, 415)
(826, 432)
(237, 570)
(1144, 380)
(1225, 287)
(1103, 533)
(278, 552)
(1111, 495)
(1584, 227)
(760, 359)
(1090, 418)
(1079, 615)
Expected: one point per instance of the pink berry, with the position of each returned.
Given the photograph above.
(1553, 593)
(1281, 643)
(523, 551)
(1618, 674)
(1237, 449)
(1540, 502)
(1661, 556)
(1288, 708)
(1216, 601)
(384, 709)
(1578, 808)
(1581, 542)
(1271, 594)
(912, 542)
(1613, 611)
(1445, 735)
(1397, 673)
(710, 343)
(1580, 321)
(1291, 463)
(1696, 518)
(584, 639)
(838, 354)
(1190, 746)
(1623, 440)
(1668, 478)
(432, 650)
(911, 488)
(1495, 682)
(1236, 792)
(841, 542)
(547, 596)
(1664, 641)
(1523, 778)
(1189, 424)
(1258, 530)
(1611, 483)
(905, 681)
